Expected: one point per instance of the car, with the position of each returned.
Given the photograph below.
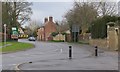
(31, 39)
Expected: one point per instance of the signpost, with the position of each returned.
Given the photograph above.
(14, 33)
(75, 31)
(4, 34)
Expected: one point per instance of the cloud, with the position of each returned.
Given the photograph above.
(45, 9)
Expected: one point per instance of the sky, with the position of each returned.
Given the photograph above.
(45, 9)
(54, 8)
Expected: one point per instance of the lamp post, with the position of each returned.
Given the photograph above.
(4, 34)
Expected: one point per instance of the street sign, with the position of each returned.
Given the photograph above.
(75, 28)
(14, 33)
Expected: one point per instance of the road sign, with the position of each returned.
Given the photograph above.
(75, 28)
(14, 33)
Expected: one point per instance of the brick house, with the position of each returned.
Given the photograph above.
(44, 32)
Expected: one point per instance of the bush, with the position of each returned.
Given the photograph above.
(54, 34)
(98, 27)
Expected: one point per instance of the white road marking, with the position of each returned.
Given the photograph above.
(11, 64)
(61, 50)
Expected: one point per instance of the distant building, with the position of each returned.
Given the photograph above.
(44, 32)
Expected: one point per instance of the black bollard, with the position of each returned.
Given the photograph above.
(70, 52)
(96, 51)
(30, 62)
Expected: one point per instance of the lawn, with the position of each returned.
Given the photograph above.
(16, 46)
(57, 41)
(81, 42)
(0, 43)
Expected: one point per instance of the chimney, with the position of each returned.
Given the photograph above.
(46, 19)
(51, 18)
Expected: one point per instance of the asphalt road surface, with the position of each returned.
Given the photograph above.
(54, 56)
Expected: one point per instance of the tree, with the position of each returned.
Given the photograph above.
(32, 28)
(82, 14)
(99, 26)
(23, 11)
(14, 14)
(106, 8)
(62, 26)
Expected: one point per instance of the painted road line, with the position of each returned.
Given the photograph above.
(61, 50)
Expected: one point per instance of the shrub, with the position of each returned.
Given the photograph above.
(98, 27)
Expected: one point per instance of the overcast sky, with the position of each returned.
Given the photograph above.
(46, 9)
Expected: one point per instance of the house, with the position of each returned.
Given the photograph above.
(41, 34)
(44, 32)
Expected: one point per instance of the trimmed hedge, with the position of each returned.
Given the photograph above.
(98, 27)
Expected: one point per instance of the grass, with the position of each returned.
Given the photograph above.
(81, 42)
(16, 46)
(56, 41)
(0, 43)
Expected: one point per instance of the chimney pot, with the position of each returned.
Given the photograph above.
(46, 19)
(51, 18)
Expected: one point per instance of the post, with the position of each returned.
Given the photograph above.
(4, 34)
(119, 39)
(96, 51)
(70, 52)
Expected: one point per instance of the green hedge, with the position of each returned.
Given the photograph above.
(98, 27)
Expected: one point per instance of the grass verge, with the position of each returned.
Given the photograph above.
(16, 46)
(56, 41)
(81, 42)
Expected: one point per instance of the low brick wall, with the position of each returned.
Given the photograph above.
(68, 38)
(59, 37)
(102, 43)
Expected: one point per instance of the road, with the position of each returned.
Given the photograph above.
(54, 56)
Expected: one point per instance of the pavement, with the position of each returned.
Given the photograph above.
(55, 56)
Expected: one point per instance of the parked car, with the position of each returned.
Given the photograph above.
(31, 39)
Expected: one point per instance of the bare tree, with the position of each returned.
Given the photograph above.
(62, 26)
(106, 8)
(83, 13)
(14, 14)
(23, 11)
(33, 26)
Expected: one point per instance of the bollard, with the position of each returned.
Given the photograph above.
(96, 51)
(70, 52)
(30, 62)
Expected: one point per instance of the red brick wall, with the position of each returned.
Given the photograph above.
(50, 27)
